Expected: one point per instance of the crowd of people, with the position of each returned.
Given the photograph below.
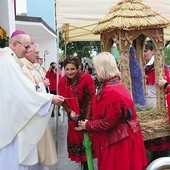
(106, 114)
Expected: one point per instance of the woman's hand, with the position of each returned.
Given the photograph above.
(82, 125)
(79, 128)
(161, 82)
(72, 114)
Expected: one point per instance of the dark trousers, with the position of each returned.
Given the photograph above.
(84, 165)
(58, 108)
(159, 154)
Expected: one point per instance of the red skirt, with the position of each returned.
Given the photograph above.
(128, 154)
(75, 147)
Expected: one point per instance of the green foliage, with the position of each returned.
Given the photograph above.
(81, 48)
(61, 41)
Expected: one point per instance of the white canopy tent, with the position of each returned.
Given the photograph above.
(77, 18)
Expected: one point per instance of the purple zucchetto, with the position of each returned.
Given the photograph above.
(17, 32)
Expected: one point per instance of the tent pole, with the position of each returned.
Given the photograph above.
(57, 79)
(65, 50)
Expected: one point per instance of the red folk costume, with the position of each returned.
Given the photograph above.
(150, 74)
(162, 143)
(167, 92)
(118, 141)
(52, 76)
(78, 93)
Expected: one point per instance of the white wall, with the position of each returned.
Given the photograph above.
(7, 16)
(51, 46)
(7, 21)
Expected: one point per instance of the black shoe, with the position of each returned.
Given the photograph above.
(52, 114)
(84, 165)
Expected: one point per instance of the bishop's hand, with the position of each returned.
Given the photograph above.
(57, 99)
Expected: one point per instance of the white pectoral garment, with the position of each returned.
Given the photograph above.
(30, 72)
(19, 107)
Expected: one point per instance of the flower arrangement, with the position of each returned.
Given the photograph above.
(3, 38)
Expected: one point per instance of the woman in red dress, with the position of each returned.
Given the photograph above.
(52, 76)
(118, 141)
(78, 89)
(158, 147)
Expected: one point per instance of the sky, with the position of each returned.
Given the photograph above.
(21, 6)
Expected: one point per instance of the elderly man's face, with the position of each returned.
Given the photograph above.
(40, 61)
(22, 46)
(32, 55)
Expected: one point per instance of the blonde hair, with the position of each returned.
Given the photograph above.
(105, 66)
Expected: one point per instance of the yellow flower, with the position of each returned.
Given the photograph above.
(3, 38)
(1, 34)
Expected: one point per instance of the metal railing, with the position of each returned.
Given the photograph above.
(160, 164)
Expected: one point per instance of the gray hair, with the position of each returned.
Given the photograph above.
(105, 66)
(16, 38)
(33, 47)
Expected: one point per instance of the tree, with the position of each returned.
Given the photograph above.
(81, 48)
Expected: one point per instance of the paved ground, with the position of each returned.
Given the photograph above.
(61, 143)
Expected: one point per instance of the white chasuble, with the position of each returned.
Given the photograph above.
(23, 111)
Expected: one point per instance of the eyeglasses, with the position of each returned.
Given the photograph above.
(34, 52)
(26, 47)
